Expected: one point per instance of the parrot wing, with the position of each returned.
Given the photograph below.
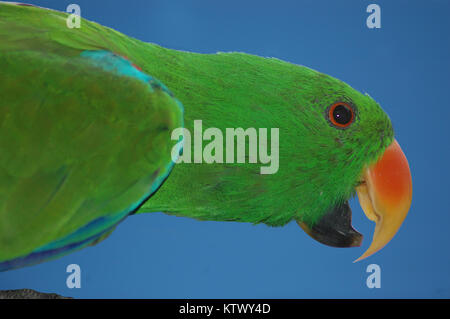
(85, 138)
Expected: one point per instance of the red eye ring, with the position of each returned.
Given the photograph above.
(341, 114)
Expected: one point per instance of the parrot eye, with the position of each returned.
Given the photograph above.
(341, 115)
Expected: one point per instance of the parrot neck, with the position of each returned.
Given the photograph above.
(229, 167)
(231, 97)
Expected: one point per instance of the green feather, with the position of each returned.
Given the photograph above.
(53, 97)
(79, 143)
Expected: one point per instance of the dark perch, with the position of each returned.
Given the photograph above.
(28, 294)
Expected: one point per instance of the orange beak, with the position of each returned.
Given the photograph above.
(385, 195)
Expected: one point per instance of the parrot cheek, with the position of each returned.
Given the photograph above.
(385, 196)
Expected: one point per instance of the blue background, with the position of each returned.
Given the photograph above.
(404, 66)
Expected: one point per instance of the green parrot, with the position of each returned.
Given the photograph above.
(88, 118)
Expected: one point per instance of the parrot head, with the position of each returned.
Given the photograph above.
(334, 143)
(353, 150)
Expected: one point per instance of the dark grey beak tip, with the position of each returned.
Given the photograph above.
(335, 228)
